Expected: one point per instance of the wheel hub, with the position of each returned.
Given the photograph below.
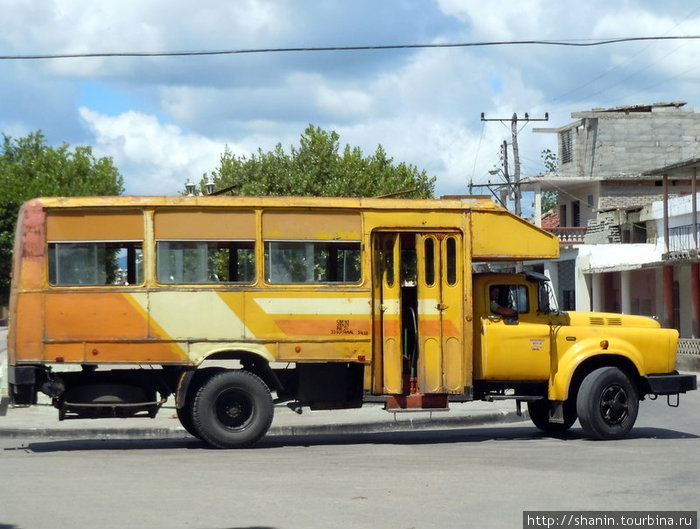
(233, 409)
(614, 405)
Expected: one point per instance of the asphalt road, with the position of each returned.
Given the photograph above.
(478, 477)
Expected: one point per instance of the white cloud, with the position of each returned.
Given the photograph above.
(500, 20)
(343, 103)
(423, 106)
(153, 157)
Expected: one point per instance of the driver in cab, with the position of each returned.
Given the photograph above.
(496, 307)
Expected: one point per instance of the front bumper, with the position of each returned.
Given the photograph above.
(671, 383)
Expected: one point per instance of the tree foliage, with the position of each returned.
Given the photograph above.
(317, 167)
(551, 164)
(29, 168)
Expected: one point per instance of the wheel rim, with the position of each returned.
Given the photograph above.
(234, 409)
(614, 404)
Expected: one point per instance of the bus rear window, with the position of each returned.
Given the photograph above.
(206, 262)
(95, 263)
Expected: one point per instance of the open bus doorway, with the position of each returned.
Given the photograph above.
(418, 309)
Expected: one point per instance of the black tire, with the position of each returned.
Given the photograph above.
(539, 414)
(186, 419)
(232, 409)
(607, 404)
(184, 413)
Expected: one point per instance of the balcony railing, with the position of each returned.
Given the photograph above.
(680, 238)
(571, 235)
(689, 346)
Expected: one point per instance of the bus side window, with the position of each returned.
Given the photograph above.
(95, 263)
(300, 262)
(202, 262)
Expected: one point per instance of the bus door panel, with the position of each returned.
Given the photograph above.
(387, 314)
(441, 353)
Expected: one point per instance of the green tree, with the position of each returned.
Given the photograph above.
(318, 167)
(551, 164)
(30, 168)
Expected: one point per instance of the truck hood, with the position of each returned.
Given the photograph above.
(611, 319)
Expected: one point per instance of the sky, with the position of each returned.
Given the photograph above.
(164, 120)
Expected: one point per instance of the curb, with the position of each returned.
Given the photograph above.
(498, 417)
(177, 432)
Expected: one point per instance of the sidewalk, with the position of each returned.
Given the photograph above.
(41, 421)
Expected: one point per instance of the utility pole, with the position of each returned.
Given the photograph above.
(516, 162)
(506, 174)
(516, 154)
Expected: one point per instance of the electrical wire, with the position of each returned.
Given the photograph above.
(629, 60)
(569, 43)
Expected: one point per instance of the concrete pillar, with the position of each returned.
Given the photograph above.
(694, 202)
(583, 283)
(669, 311)
(626, 292)
(695, 297)
(659, 294)
(598, 294)
(538, 205)
(666, 228)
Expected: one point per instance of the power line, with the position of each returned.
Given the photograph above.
(580, 86)
(569, 43)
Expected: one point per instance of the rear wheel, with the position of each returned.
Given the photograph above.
(186, 419)
(539, 414)
(184, 412)
(232, 409)
(607, 404)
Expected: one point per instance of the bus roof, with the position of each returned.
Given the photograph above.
(449, 203)
(496, 233)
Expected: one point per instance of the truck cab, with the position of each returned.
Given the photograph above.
(568, 365)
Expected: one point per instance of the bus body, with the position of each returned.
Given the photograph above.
(118, 303)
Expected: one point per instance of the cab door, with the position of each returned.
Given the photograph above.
(440, 313)
(517, 346)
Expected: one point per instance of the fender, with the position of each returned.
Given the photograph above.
(201, 351)
(585, 350)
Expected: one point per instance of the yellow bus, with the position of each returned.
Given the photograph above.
(233, 304)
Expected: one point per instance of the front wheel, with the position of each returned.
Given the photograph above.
(607, 404)
(232, 409)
